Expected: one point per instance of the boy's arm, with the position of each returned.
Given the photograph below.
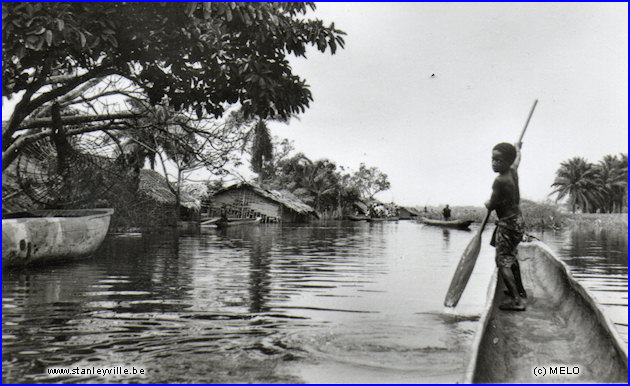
(517, 160)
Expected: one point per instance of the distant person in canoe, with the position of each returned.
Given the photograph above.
(508, 233)
(446, 212)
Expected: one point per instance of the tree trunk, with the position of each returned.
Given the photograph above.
(178, 198)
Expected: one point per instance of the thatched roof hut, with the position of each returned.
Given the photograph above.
(408, 213)
(249, 200)
(154, 186)
(361, 207)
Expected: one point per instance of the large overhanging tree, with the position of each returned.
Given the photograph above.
(199, 58)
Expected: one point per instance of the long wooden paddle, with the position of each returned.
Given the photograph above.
(469, 257)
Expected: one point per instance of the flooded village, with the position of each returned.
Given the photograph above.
(168, 216)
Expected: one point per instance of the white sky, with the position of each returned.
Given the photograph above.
(376, 102)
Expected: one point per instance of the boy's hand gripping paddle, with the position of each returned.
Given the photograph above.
(469, 257)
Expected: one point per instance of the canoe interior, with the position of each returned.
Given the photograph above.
(562, 326)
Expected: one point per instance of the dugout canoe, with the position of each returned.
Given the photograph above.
(562, 337)
(457, 224)
(354, 217)
(53, 234)
(215, 222)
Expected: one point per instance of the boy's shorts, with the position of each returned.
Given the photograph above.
(507, 234)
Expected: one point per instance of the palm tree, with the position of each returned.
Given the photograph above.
(623, 166)
(316, 183)
(322, 182)
(258, 135)
(575, 179)
(611, 177)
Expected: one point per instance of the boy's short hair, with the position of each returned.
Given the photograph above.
(508, 150)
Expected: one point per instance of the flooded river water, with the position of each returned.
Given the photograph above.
(334, 302)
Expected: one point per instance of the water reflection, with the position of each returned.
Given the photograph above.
(446, 236)
(598, 259)
(329, 302)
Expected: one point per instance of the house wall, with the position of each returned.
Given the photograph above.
(247, 204)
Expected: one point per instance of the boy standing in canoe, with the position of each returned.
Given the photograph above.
(508, 233)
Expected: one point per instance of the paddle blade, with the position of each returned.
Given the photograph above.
(463, 271)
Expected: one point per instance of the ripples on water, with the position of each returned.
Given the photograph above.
(598, 259)
(318, 303)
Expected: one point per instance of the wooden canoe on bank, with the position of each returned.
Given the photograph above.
(215, 222)
(371, 219)
(458, 224)
(563, 333)
(51, 235)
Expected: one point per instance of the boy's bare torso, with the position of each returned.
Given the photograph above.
(505, 194)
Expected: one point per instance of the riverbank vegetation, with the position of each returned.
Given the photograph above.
(330, 189)
(535, 215)
(544, 216)
(182, 86)
(155, 81)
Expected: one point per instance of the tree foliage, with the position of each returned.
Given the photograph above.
(592, 187)
(322, 184)
(262, 149)
(370, 181)
(198, 57)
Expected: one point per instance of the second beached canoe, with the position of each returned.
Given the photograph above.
(356, 217)
(51, 235)
(457, 224)
(562, 337)
(215, 222)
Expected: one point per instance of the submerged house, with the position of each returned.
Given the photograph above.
(408, 213)
(153, 187)
(248, 200)
(147, 203)
(360, 208)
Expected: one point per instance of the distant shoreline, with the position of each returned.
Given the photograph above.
(598, 220)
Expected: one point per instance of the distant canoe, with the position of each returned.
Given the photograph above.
(51, 235)
(459, 224)
(353, 217)
(562, 336)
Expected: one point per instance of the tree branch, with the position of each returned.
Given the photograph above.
(12, 152)
(76, 119)
(26, 106)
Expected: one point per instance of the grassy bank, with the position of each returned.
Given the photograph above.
(541, 216)
(598, 221)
